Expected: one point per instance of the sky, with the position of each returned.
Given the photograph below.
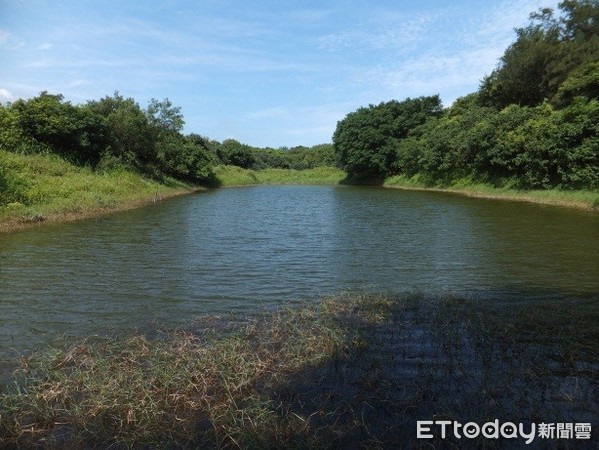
(269, 73)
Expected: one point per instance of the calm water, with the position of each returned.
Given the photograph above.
(243, 249)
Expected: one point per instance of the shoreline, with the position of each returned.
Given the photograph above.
(18, 223)
(499, 194)
(347, 369)
(235, 177)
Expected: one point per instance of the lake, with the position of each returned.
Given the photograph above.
(240, 250)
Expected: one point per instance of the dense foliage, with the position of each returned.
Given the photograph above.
(534, 123)
(366, 139)
(544, 55)
(234, 153)
(105, 134)
(115, 132)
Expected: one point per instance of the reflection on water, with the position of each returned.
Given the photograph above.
(234, 249)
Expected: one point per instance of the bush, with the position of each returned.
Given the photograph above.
(366, 140)
(10, 185)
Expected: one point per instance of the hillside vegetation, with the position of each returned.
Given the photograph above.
(45, 187)
(59, 160)
(238, 176)
(533, 123)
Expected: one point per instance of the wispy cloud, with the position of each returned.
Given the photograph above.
(449, 69)
(280, 73)
(303, 125)
(310, 16)
(6, 95)
(374, 35)
(4, 37)
(10, 41)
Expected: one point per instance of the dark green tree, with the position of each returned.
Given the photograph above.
(544, 55)
(164, 116)
(319, 155)
(583, 82)
(365, 141)
(180, 158)
(12, 137)
(233, 152)
(131, 137)
(75, 132)
(522, 74)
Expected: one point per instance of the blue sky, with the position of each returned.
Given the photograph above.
(267, 73)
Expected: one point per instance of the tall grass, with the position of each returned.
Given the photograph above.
(47, 187)
(354, 371)
(237, 176)
(585, 199)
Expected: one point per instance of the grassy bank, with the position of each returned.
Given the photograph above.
(47, 188)
(347, 372)
(237, 176)
(588, 200)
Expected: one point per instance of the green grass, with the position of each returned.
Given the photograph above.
(353, 371)
(236, 176)
(578, 199)
(48, 187)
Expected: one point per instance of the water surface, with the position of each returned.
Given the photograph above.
(240, 250)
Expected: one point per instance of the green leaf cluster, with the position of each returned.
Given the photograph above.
(365, 140)
(233, 153)
(107, 134)
(534, 122)
(531, 147)
(544, 55)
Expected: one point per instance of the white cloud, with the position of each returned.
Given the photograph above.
(4, 36)
(302, 125)
(77, 82)
(6, 95)
(9, 41)
(454, 62)
(375, 35)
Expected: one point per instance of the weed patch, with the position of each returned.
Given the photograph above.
(345, 372)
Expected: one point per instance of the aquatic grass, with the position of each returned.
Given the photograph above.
(141, 392)
(343, 372)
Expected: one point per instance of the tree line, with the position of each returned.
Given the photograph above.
(116, 132)
(533, 123)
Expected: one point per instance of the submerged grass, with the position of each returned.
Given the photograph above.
(48, 188)
(237, 176)
(346, 372)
